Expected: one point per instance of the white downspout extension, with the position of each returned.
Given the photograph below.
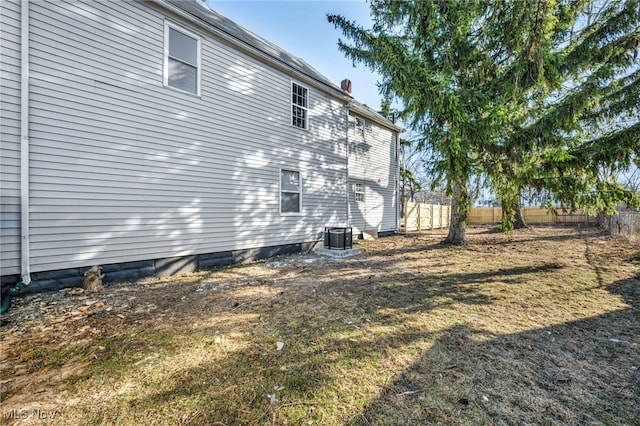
(25, 271)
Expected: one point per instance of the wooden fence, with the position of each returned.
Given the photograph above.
(420, 217)
(533, 215)
(626, 222)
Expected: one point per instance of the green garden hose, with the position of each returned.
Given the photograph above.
(6, 298)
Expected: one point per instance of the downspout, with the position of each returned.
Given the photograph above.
(346, 108)
(24, 143)
(396, 190)
(25, 272)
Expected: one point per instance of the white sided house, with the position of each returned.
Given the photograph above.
(154, 137)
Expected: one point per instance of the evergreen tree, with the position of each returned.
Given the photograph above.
(510, 89)
(586, 120)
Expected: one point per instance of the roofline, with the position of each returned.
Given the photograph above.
(277, 63)
(253, 51)
(365, 111)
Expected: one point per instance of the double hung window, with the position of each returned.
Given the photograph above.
(299, 106)
(358, 191)
(290, 191)
(182, 67)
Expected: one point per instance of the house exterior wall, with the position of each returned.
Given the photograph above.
(373, 164)
(10, 138)
(124, 169)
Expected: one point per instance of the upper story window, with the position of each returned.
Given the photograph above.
(300, 105)
(181, 59)
(360, 126)
(290, 191)
(358, 191)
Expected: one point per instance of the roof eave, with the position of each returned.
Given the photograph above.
(255, 52)
(366, 112)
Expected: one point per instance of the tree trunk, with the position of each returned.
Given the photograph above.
(512, 211)
(604, 220)
(519, 223)
(459, 212)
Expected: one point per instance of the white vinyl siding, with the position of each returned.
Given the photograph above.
(10, 135)
(182, 67)
(123, 169)
(372, 171)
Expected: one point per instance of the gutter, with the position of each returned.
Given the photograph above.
(254, 52)
(374, 116)
(277, 63)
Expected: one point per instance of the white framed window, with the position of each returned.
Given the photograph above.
(290, 192)
(182, 59)
(299, 106)
(360, 127)
(358, 191)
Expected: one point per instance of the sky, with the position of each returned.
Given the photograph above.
(301, 28)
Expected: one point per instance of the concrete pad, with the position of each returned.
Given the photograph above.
(322, 251)
(370, 234)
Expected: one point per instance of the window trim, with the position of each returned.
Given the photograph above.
(356, 192)
(280, 191)
(292, 105)
(181, 29)
(361, 126)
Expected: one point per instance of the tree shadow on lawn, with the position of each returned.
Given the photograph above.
(370, 248)
(339, 333)
(536, 233)
(375, 256)
(579, 372)
(211, 356)
(322, 331)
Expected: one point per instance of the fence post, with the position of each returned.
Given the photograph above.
(405, 215)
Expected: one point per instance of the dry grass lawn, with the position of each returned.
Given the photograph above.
(541, 327)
